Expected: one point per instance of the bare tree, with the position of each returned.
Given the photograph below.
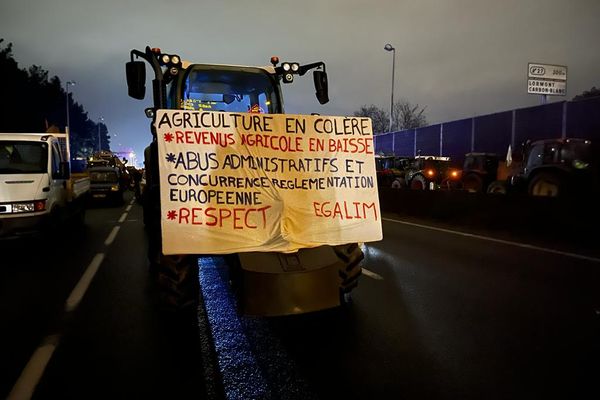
(407, 116)
(378, 116)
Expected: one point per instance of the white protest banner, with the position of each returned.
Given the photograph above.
(237, 182)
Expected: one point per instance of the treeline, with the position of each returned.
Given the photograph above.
(33, 102)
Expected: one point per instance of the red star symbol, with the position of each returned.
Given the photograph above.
(172, 214)
(168, 137)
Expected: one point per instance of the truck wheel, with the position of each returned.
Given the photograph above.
(545, 184)
(473, 183)
(497, 187)
(418, 182)
(351, 255)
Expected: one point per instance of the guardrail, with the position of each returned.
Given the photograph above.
(574, 220)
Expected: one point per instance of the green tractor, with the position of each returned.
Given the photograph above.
(267, 283)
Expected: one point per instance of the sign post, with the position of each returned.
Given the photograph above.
(546, 80)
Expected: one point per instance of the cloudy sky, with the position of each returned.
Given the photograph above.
(457, 57)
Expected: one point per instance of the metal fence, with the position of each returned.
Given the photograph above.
(494, 132)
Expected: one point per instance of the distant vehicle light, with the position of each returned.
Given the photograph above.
(114, 188)
(454, 174)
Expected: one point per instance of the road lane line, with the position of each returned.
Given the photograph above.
(33, 371)
(84, 282)
(129, 207)
(491, 239)
(372, 274)
(122, 219)
(111, 237)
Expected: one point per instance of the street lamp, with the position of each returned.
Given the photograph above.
(389, 47)
(72, 83)
(100, 121)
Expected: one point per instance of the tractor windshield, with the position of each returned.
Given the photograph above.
(577, 151)
(226, 88)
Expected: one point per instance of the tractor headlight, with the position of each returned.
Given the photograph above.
(286, 67)
(165, 58)
(175, 59)
(295, 67)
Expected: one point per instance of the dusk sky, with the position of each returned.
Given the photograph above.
(457, 57)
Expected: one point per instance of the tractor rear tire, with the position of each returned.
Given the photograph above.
(497, 187)
(472, 183)
(398, 183)
(418, 182)
(545, 184)
(175, 277)
(351, 255)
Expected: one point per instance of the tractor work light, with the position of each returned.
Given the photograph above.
(295, 67)
(173, 70)
(288, 78)
(175, 59)
(286, 66)
(165, 58)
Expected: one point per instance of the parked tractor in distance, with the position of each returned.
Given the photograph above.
(479, 171)
(391, 171)
(432, 173)
(551, 167)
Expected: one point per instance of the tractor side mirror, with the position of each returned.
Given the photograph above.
(136, 79)
(320, 78)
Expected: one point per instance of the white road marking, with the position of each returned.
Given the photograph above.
(372, 274)
(129, 207)
(84, 282)
(33, 371)
(122, 219)
(490, 239)
(111, 237)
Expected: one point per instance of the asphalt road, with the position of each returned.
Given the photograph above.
(437, 315)
(114, 343)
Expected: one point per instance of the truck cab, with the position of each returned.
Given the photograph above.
(37, 192)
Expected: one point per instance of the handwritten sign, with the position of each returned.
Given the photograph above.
(237, 182)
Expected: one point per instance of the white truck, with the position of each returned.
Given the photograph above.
(38, 192)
